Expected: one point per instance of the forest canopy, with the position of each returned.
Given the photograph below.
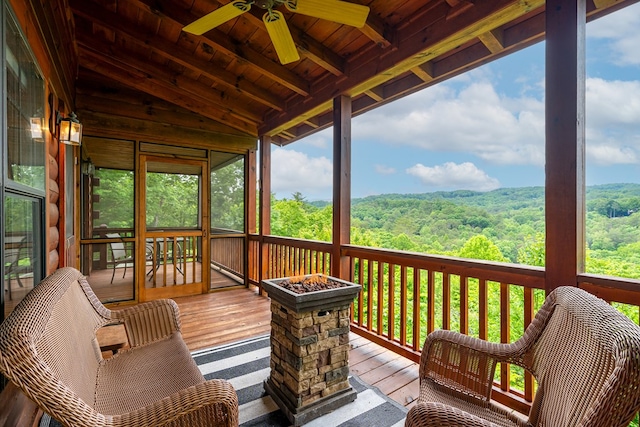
(502, 225)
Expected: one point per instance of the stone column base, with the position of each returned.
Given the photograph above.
(304, 414)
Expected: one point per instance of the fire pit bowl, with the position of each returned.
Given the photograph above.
(335, 293)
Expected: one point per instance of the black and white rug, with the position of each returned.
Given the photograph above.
(246, 365)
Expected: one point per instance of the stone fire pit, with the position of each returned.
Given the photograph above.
(310, 345)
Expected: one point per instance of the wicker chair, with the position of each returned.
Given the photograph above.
(584, 354)
(48, 348)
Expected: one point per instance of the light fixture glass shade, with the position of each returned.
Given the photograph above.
(70, 130)
(36, 128)
(280, 37)
(338, 11)
(217, 17)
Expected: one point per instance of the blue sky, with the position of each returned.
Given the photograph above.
(485, 129)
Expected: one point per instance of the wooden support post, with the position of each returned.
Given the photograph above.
(265, 206)
(565, 141)
(250, 176)
(250, 183)
(341, 184)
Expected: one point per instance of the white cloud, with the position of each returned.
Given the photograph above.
(320, 140)
(293, 171)
(611, 154)
(620, 29)
(473, 120)
(613, 115)
(384, 170)
(613, 102)
(450, 175)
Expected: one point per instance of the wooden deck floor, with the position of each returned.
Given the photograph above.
(232, 315)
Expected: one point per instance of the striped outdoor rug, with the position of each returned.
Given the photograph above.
(246, 365)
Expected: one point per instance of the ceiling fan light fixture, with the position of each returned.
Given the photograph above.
(281, 37)
(218, 17)
(338, 11)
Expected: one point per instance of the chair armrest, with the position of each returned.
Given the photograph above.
(436, 414)
(149, 321)
(464, 364)
(212, 403)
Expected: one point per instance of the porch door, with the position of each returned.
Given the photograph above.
(172, 216)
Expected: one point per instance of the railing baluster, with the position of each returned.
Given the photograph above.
(392, 302)
(403, 305)
(431, 302)
(380, 309)
(464, 305)
(370, 294)
(416, 309)
(446, 301)
(483, 311)
(505, 333)
(361, 295)
(528, 318)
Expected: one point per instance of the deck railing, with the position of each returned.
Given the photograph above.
(407, 295)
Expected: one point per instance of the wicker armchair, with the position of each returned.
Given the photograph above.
(584, 354)
(48, 348)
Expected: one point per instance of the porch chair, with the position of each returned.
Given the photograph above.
(118, 254)
(48, 348)
(584, 354)
(12, 265)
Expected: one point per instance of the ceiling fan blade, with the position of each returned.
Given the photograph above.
(338, 11)
(280, 36)
(217, 17)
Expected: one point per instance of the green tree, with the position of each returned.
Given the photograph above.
(533, 252)
(480, 247)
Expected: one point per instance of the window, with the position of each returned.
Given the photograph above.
(25, 100)
(22, 168)
(227, 193)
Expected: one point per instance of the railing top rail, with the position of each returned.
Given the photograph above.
(300, 243)
(173, 233)
(525, 275)
(610, 281)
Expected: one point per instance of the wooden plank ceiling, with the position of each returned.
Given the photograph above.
(135, 62)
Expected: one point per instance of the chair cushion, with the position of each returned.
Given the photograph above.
(137, 377)
(497, 416)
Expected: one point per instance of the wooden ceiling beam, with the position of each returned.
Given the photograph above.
(493, 40)
(108, 125)
(416, 43)
(220, 41)
(146, 111)
(424, 71)
(105, 18)
(375, 93)
(375, 30)
(111, 54)
(127, 75)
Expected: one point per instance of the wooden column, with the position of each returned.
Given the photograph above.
(341, 184)
(565, 141)
(265, 206)
(250, 176)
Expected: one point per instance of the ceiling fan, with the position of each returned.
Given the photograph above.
(338, 11)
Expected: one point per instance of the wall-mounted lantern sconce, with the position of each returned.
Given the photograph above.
(70, 129)
(88, 168)
(36, 128)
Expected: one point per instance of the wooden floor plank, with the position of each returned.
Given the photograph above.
(399, 379)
